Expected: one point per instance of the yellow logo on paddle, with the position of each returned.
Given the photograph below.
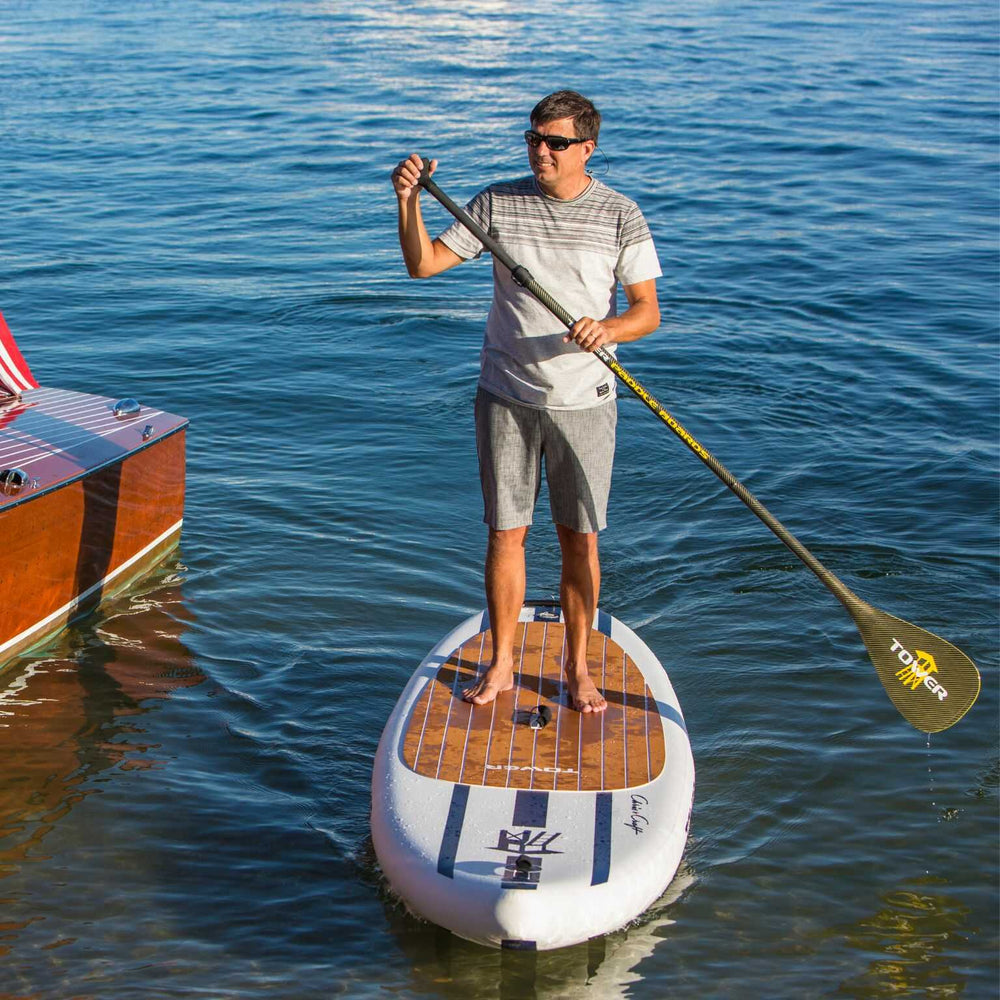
(917, 669)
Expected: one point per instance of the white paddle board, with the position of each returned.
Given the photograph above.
(524, 823)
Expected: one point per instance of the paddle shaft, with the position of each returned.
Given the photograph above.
(523, 277)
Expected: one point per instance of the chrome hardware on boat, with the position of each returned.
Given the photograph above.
(127, 407)
(12, 481)
(147, 432)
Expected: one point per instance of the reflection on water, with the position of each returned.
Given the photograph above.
(910, 938)
(71, 709)
(602, 968)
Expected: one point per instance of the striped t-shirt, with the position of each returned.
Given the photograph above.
(578, 251)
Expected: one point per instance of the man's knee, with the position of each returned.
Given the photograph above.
(577, 544)
(507, 539)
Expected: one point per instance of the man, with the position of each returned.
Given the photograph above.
(541, 392)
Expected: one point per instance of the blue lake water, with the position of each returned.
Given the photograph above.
(197, 212)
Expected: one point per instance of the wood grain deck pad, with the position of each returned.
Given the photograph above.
(622, 747)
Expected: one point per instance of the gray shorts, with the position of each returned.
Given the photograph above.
(579, 450)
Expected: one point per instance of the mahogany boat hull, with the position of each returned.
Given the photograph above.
(101, 502)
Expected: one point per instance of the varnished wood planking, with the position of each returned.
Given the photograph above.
(70, 539)
(458, 714)
(477, 745)
(615, 717)
(549, 740)
(591, 724)
(637, 764)
(450, 739)
(527, 691)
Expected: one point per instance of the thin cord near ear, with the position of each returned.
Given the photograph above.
(607, 162)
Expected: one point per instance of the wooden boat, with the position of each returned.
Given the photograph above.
(91, 496)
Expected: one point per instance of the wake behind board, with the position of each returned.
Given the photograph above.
(526, 824)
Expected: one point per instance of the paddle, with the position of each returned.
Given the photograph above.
(930, 681)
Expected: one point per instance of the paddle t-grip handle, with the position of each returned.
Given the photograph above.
(425, 170)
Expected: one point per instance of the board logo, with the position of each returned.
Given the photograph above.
(525, 851)
(917, 669)
(638, 821)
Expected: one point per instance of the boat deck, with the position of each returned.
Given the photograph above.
(56, 436)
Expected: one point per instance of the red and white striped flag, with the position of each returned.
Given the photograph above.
(15, 375)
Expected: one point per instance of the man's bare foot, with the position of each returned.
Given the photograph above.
(500, 677)
(583, 692)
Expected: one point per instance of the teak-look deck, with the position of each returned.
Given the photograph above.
(622, 747)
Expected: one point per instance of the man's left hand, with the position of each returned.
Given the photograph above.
(588, 334)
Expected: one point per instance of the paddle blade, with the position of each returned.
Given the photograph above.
(930, 681)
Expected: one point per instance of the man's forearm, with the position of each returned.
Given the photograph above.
(414, 240)
(641, 318)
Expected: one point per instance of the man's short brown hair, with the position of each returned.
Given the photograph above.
(569, 104)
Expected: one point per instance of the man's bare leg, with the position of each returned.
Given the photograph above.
(505, 583)
(578, 590)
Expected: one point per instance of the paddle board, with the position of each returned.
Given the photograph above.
(526, 824)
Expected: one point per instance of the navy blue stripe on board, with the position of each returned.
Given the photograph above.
(602, 839)
(453, 831)
(531, 808)
(671, 713)
(604, 623)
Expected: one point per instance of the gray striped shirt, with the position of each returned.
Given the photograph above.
(578, 251)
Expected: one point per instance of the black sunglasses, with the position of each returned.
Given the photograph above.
(557, 143)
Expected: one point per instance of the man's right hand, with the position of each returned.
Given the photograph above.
(424, 257)
(406, 176)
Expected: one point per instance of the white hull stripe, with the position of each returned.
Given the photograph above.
(69, 607)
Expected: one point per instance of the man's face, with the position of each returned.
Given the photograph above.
(552, 168)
